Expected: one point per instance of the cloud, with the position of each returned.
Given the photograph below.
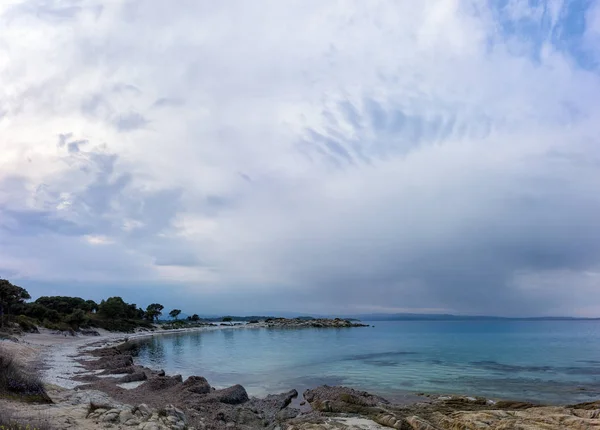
(305, 156)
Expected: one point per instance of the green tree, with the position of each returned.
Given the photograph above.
(92, 306)
(113, 307)
(10, 295)
(77, 318)
(154, 311)
(227, 319)
(175, 313)
(195, 318)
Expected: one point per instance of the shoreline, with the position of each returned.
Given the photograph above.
(68, 365)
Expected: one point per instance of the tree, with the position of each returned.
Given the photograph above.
(10, 295)
(77, 318)
(227, 319)
(175, 313)
(154, 311)
(195, 318)
(92, 306)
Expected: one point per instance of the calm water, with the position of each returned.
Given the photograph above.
(556, 362)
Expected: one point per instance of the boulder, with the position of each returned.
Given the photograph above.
(197, 384)
(233, 395)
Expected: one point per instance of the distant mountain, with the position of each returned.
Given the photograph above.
(450, 317)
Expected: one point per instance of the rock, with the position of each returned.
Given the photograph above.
(390, 420)
(314, 322)
(177, 414)
(417, 423)
(111, 416)
(126, 416)
(343, 399)
(133, 377)
(250, 418)
(233, 395)
(150, 425)
(112, 362)
(197, 384)
(143, 411)
(161, 383)
(161, 373)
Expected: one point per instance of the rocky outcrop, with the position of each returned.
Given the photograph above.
(449, 413)
(344, 400)
(91, 410)
(308, 323)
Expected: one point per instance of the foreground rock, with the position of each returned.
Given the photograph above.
(444, 413)
(91, 410)
(309, 323)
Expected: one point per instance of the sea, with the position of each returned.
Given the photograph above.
(554, 362)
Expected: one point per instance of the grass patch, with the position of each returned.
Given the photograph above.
(9, 422)
(17, 383)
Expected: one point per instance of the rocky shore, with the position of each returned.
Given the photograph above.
(114, 392)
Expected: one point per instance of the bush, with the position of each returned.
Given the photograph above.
(27, 324)
(18, 383)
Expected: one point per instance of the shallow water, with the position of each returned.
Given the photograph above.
(546, 361)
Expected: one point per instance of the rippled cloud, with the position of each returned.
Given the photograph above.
(304, 156)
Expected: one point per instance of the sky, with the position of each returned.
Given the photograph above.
(310, 156)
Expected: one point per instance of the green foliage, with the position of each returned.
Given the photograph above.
(10, 295)
(195, 318)
(116, 307)
(153, 311)
(175, 313)
(227, 319)
(77, 319)
(27, 324)
(65, 305)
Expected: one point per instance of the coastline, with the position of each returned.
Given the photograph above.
(68, 367)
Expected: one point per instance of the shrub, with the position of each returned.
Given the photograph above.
(18, 383)
(27, 324)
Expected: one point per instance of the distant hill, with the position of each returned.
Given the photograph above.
(450, 317)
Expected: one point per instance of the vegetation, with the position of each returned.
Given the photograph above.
(9, 423)
(10, 296)
(154, 311)
(18, 383)
(70, 313)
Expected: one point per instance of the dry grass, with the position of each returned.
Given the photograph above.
(18, 383)
(8, 421)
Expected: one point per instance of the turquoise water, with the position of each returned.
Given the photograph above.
(547, 361)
